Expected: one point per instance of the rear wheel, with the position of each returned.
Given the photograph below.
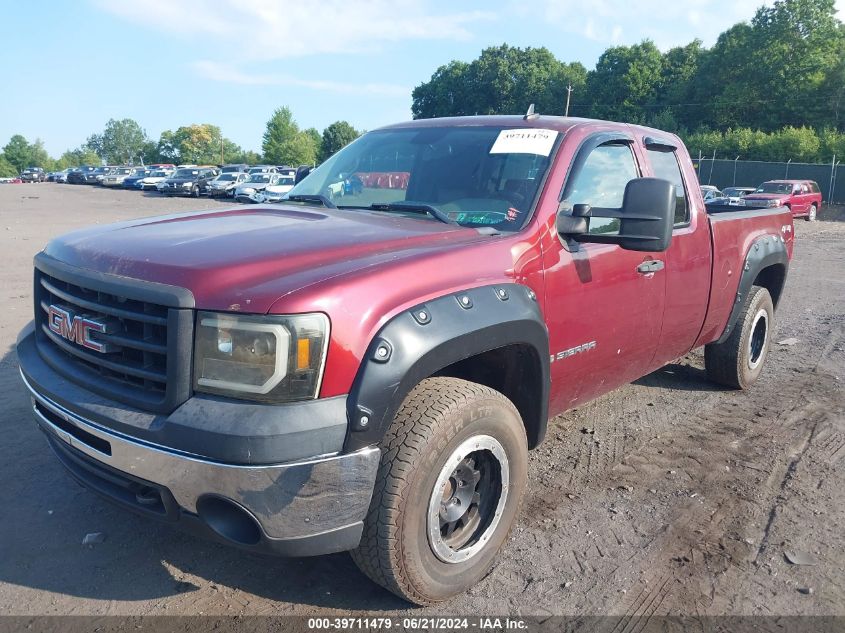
(811, 214)
(452, 475)
(738, 361)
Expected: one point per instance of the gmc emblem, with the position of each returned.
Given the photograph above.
(75, 329)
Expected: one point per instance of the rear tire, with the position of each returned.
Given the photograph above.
(811, 214)
(450, 484)
(739, 361)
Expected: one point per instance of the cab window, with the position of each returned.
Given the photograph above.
(664, 164)
(601, 183)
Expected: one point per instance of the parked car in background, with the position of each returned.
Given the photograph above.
(802, 197)
(732, 197)
(155, 166)
(286, 170)
(224, 185)
(116, 176)
(33, 174)
(256, 182)
(709, 192)
(262, 169)
(234, 168)
(61, 176)
(96, 176)
(11, 181)
(188, 182)
(275, 193)
(79, 175)
(156, 177)
(131, 181)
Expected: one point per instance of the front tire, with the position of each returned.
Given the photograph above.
(811, 214)
(195, 191)
(450, 484)
(738, 362)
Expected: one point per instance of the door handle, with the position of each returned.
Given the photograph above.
(650, 266)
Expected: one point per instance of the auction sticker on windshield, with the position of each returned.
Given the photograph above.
(524, 141)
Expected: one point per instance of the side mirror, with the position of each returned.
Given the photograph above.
(645, 219)
(301, 173)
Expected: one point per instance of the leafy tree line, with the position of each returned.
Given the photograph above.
(784, 71)
(803, 144)
(126, 142)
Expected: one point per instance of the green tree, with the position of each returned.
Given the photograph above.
(200, 143)
(123, 141)
(7, 169)
(336, 136)
(281, 130)
(625, 82)
(503, 80)
(18, 152)
(285, 144)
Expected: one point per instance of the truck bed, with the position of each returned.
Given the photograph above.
(732, 235)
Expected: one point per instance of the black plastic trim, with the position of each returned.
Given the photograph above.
(141, 290)
(216, 429)
(764, 252)
(451, 334)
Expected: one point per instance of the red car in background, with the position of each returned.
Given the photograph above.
(802, 197)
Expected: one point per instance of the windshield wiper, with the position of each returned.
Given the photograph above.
(312, 197)
(413, 207)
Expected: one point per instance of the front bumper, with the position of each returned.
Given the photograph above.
(305, 507)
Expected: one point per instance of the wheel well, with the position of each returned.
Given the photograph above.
(772, 279)
(515, 371)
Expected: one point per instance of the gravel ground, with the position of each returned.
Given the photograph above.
(667, 496)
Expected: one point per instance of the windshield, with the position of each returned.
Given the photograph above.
(140, 172)
(286, 180)
(185, 173)
(775, 187)
(259, 178)
(123, 171)
(226, 176)
(231, 169)
(159, 174)
(733, 192)
(477, 176)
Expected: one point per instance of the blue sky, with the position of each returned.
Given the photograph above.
(67, 67)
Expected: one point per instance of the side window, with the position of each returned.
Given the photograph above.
(601, 183)
(664, 163)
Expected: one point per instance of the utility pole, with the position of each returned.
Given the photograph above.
(568, 94)
(221, 149)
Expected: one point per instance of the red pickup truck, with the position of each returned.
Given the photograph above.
(365, 368)
(802, 197)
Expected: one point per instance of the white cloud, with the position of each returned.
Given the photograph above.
(273, 30)
(231, 74)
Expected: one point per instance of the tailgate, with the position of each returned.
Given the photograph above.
(737, 242)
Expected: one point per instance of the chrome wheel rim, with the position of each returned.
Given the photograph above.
(757, 339)
(468, 499)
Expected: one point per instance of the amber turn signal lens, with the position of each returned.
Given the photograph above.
(303, 353)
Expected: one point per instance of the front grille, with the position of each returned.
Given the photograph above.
(145, 360)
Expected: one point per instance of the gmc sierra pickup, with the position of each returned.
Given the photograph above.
(365, 368)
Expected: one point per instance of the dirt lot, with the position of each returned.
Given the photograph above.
(669, 496)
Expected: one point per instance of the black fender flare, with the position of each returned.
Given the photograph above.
(431, 336)
(764, 252)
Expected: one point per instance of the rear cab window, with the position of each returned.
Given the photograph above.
(665, 165)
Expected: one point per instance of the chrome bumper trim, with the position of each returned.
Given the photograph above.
(288, 500)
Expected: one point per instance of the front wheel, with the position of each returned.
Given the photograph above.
(738, 361)
(811, 214)
(452, 475)
(195, 191)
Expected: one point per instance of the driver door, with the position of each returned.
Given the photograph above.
(604, 307)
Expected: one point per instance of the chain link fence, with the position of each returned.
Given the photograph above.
(750, 173)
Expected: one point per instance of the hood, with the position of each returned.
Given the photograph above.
(179, 181)
(252, 257)
(257, 186)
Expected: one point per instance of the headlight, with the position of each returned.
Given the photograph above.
(267, 358)
(186, 184)
(774, 203)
